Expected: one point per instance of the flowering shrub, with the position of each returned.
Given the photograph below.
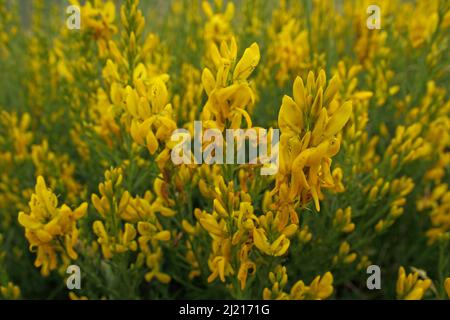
(87, 118)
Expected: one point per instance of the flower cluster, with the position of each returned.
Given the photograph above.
(320, 288)
(51, 230)
(309, 124)
(410, 287)
(88, 127)
(229, 93)
(129, 223)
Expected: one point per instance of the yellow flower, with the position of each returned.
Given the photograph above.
(309, 124)
(152, 115)
(73, 296)
(278, 279)
(289, 50)
(99, 18)
(276, 248)
(50, 229)
(244, 271)
(19, 131)
(305, 235)
(153, 262)
(447, 286)
(422, 28)
(150, 233)
(10, 291)
(228, 98)
(103, 239)
(131, 224)
(221, 267)
(343, 219)
(438, 203)
(127, 241)
(247, 64)
(321, 287)
(233, 228)
(218, 26)
(410, 287)
(344, 256)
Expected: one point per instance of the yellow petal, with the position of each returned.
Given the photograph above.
(290, 230)
(152, 143)
(162, 277)
(53, 227)
(135, 132)
(158, 95)
(400, 282)
(132, 101)
(215, 55)
(28, 222)
(290, 118)
(317, 105)
(210, 224)
(260, 240)
(331, 90)
(280, 246)
(207, 9)
(144, 108)
(145, 228)
(129, 234)
(163, 236)
(44, 236)
(99, 229)
(69, 248)
(229, 11)
(248, 63)
(447, 286)
(319, 128)
(80, 211)
(338, 119)
(208, 81)
(415, 294)
(299, 93)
